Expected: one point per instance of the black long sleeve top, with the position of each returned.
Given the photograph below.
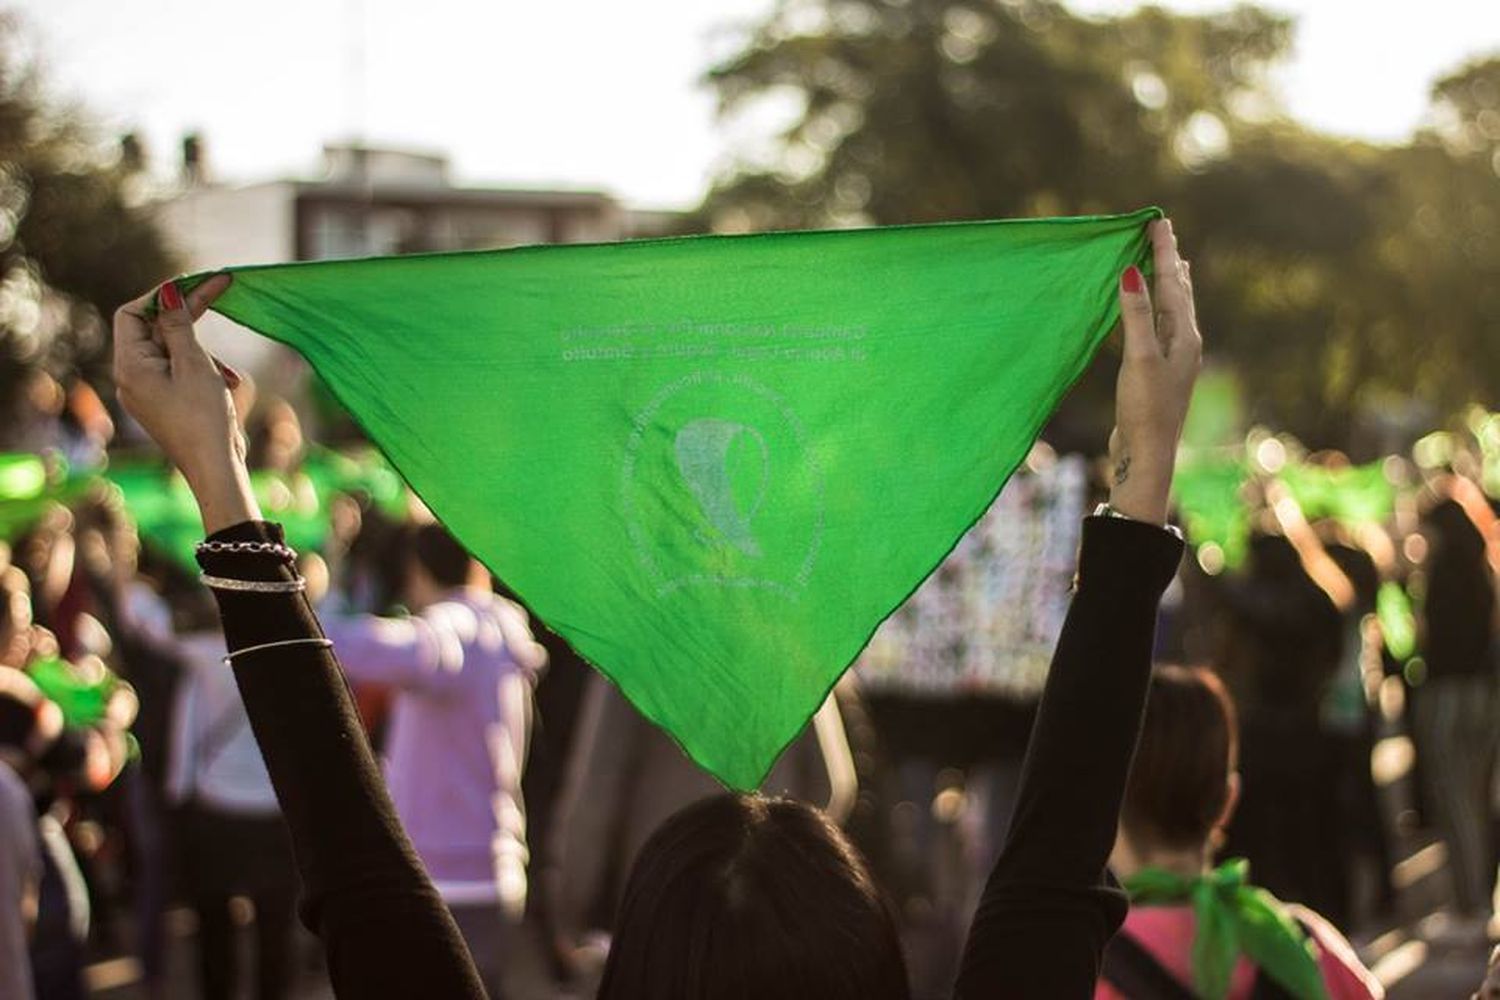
(1048, 909)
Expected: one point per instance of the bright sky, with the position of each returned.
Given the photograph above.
(595, 93)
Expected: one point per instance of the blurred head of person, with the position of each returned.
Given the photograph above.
(108, 544)
(1273, 558)
(275, 438)
(44, 395)
(46, 553)
(86, 413)
(377, 549)
(740, 896)
(16, 638)
(439, 565)
(1183, 785)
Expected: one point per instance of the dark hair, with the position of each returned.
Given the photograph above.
(740, 897)
(379, 555)
(1179, 783)
(1459, 561)
(28, 722)
(440, 555)
(18, 707)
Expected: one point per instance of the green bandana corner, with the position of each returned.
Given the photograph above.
(1234, 917)
(712, 464)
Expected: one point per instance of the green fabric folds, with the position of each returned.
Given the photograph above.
(712, 464)
(1234, 917)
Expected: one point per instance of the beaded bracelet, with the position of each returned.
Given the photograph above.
(254, 586)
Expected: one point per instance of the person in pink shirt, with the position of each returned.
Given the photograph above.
(1195, 931)
(461, 670)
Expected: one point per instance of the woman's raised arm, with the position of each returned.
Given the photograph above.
(386, 931)
(1050, 907)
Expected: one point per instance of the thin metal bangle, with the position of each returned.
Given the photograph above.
(307, 641)
(254, 586)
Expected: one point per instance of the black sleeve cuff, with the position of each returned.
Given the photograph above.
(1127, 557)
(248, 565)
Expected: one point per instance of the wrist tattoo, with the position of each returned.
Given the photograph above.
(1122, 469)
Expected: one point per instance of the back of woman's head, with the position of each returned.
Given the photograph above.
(740, 896)
(1179, 783)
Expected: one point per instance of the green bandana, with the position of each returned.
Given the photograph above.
(29, 486)
(1234, 917)
(712, 464)
(162, 505)
(82, 694)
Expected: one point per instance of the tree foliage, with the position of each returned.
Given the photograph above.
(1336, 277)
(74, 243)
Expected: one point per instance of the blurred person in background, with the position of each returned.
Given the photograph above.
(29, 725)
(1350, 722)
(1455, 715)
(230, 839)
(87, 428)
(90, 749)
(45, 554)
(461, 670)
(1195, 930)
(275, 438)
(85, 807)
(1278, 654)
(367, 557)
(138, 621)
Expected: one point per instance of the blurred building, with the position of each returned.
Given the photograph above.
(369, 202)
(373, 201)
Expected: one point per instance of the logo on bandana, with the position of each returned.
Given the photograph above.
(718, 465)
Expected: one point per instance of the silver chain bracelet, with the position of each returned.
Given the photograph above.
(264, 548)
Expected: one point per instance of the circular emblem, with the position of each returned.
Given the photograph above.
(720, 489)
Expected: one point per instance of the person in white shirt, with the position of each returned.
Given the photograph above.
(231, 836)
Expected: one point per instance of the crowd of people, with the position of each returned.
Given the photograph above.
(528, 832)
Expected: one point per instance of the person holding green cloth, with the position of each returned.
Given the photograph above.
(739, 896)
(1195, 931)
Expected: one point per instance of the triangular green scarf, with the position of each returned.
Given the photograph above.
(712, 464)
(1234, 917)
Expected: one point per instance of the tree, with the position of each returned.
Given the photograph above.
(1336, 276)
(74, 242)
(929, 110)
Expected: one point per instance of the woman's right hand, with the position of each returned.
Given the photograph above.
(1163, 352)
(180, 394)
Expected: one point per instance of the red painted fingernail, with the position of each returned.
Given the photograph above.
(1132, 281)
(171, 298)
(232, 378)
